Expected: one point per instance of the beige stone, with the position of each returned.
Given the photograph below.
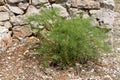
(5, 38)
(109, 4)
(32, 10)
(2, 9)
(18, 20)
(86, 4)
(1, 2)
(15, 9)
(37, 2)
(4, 16)
(63, 12)
(23, 6)
(14, 1)
(22, 31)
(8, 25)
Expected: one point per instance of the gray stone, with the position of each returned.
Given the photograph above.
(43, 1)
(14, 1)
(110, 4)
(3, 9)
(1, 23)
(63, 12)
(86, 4)
(73, 12)
(32, 10)
(23, 6)
(37, 2)
(18, 20)
(105, 17)
(95, 22)
(5, 38)
(93, 12)
(8, 25)
(15, 9)
(86, 15)
(107, 77)
(4, 16)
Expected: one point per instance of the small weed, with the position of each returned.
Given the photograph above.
(67, 42)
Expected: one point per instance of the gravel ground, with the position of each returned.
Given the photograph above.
(17, 64)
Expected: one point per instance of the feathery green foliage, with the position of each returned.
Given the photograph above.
(68, 41)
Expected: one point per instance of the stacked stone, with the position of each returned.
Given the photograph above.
(13, 13)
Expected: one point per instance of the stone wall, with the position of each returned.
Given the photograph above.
(14, 12)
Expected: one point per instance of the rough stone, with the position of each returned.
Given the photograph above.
(23, 6)
(31, 39)
(15, 9)
(37, 2)
(3, 9)
(108, 4)
(14, 1)
(5, 38)
(107, 77)
(75, 12)
(95, 22)
(32, 10)
(22, 31)
(105, 16)
(4, 16)
(63, 11)
(8, 25)
(86, 4)
(17, 20)
(1, 23)
(93, 12)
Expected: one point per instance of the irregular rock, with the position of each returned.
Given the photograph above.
(5, 38)
(14, 1)
(15, 9)
(86, 4)
(1, 2)
(95, 22)
(8, 25)
(3, 9)
(4, 16)
(22, 31)
(23, 6)
(63, 12)
(32, 39)
(1, 23)
(105, 16)
(110, 4)
(37, 2)
(73, 12)
(17, 20)
(32, 10)
(93, 12)
(107, 77)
